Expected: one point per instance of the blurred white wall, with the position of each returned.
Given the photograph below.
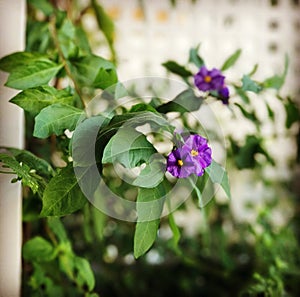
(12, 39)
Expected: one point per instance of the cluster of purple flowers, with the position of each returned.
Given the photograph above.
(213, 81)
(191, 157)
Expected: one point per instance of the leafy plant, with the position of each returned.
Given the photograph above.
(73, 149)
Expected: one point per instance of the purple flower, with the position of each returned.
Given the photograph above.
(209, 80)
(180, 163)
(213, 81)
(200, 152)
(191, 158)
(224, 95)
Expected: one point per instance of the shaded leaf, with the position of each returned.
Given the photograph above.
(231, 60)
(35, 99)
(55, 119)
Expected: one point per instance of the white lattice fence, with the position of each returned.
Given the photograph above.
(147, 37)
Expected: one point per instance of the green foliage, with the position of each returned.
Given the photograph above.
(130, 151)
(186, 101)
(250, 85)
(62, 195)
(149, 208)
(35, 99)
(231, 60)
(277, 81)
(93, 71)
(32, 75)
(194, 57)
(105, 24)
(24, 173)
(218, 175)
(175, 68)
(55, 119)
(38, 249)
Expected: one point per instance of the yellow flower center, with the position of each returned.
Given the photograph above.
(180, 162)
(194, 153)
(207, 79)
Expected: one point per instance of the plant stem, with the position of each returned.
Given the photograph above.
(63, 59)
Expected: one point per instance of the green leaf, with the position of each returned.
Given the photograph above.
(32, 75)
(81, 40)
(55, 119)
(41, 166)
(174, 67)
(186, 101)
(231, 60)
(85, 132)
(35, 99)
(153, 174)
(242, 94)
(194, 57)
(292, 113)
(24, 173)
(128, 147)
(78, 270)
(58, 229)
(250, 85)
(66, 36)
(142, 107)
(94, 71)
(270, 112)
(85, 274)
(12, 62)
(38, 249)
(38, 37)
(62, 195)
(149, 208)
(218, 175)
(248, 115)
(42, 5)
(175, 230)
(277, 81)
(105, 24)
(99, 220)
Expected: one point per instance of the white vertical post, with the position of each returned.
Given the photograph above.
(12, 33)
